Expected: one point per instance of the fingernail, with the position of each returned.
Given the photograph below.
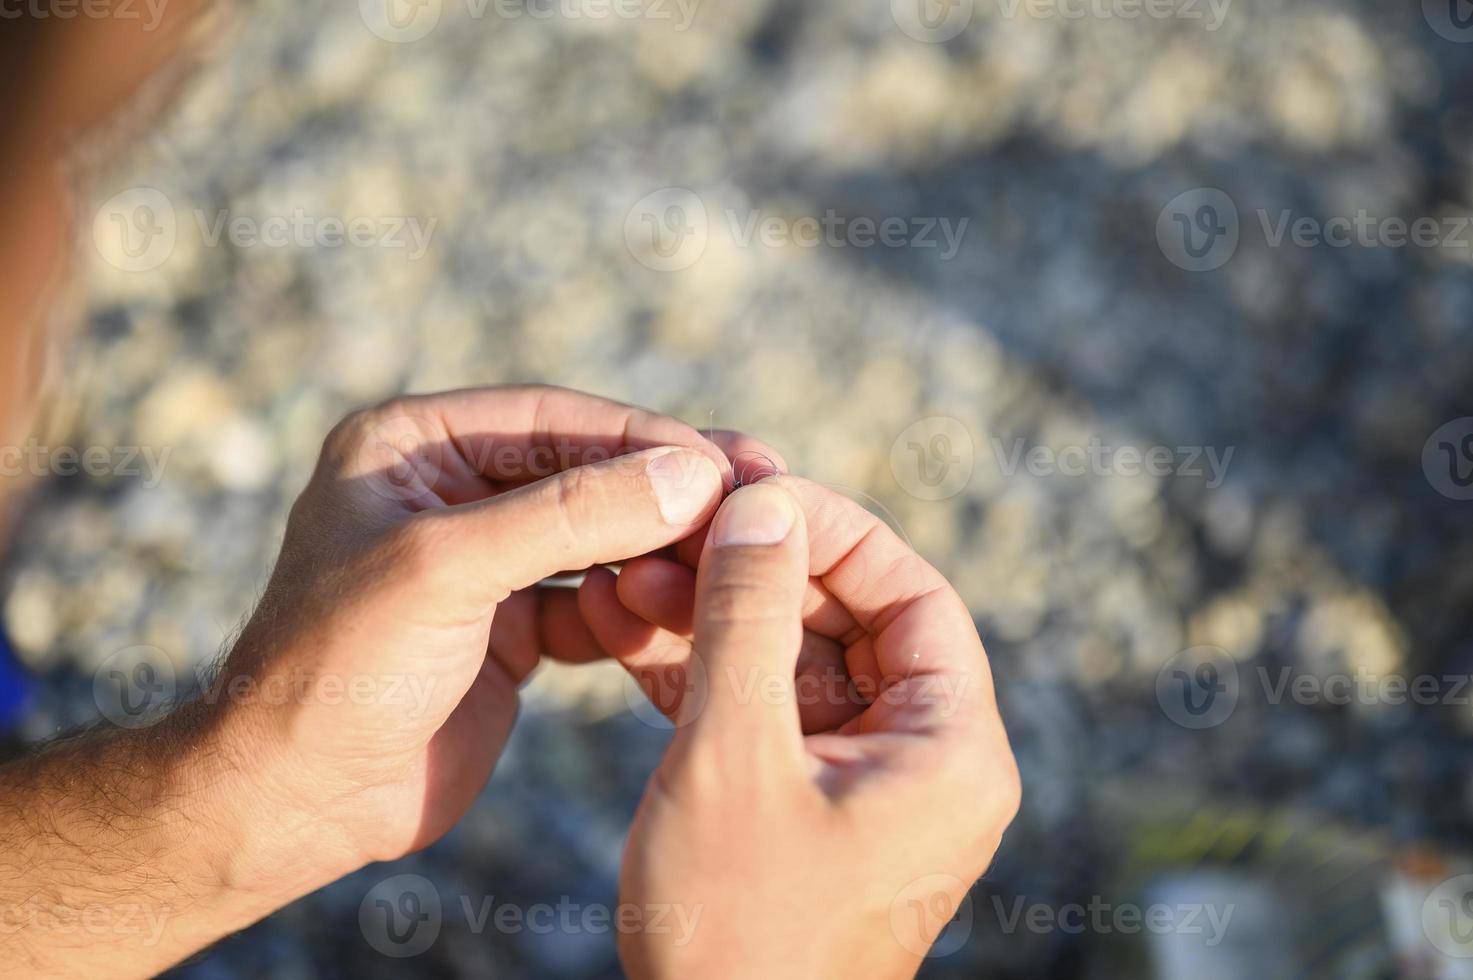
(756, 515)
(684, 484)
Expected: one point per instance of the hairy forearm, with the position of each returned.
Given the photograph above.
(122, 852)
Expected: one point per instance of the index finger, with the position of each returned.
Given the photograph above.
(463, 446)
(527, 432)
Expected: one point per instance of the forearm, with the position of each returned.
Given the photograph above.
(123, 852)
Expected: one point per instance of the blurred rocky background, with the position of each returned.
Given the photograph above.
(610, 196)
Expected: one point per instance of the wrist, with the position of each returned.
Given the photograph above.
(129, 850)
(259, 844)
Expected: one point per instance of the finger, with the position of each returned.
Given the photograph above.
(872, 573)
(658, 660)
(864, 578)
(459, 446)
(534, 431)
(534, 623)
(749, 627)
(562, 632)
(514, 641)
(919, 658)
(663, 593)
(588, 515)
(827, 697)
(465, 748)
(665, 599)
(752, 460)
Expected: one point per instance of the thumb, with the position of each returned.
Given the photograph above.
(749, 626)
(587, 515)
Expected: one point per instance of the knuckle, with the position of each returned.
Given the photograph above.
(347, 433)
(346, 440)
(1007, 787)
(991, 778)
(575, 494)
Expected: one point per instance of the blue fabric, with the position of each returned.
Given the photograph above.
(16, 685)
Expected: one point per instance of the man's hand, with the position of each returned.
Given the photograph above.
(368, 698)
(837, 853)
(420, 523)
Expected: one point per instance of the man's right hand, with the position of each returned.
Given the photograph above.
(844, 851)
